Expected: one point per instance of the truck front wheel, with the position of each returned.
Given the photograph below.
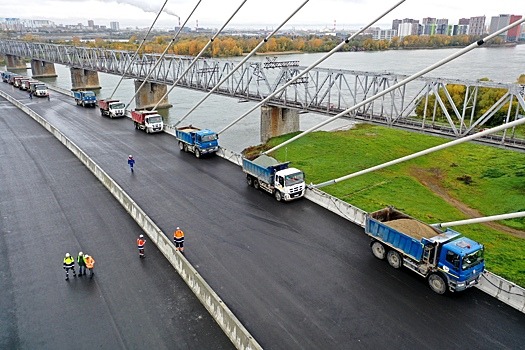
(378, 250)
(278, 195)
(394, 259)
(437, 283)
(197, 153)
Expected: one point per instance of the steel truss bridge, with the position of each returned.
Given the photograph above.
(324, 91)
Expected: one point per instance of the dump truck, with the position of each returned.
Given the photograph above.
(449, 261)
(274, 177)
(24, 84)
(85, 98)
(39, 89)
(111, 108)
(197, 141)
(149, 121)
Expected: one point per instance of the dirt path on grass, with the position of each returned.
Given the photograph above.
(432, 179)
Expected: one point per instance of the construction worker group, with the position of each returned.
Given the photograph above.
(84, 262)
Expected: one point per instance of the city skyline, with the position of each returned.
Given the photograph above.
(341, 14)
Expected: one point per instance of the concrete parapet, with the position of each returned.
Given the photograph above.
(276, 121)
(150, 94)
(42, 69)
(15, 62)
(503, 290)
(83, 79)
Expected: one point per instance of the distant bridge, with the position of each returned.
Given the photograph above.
(324, 91)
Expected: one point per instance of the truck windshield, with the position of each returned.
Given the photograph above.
(294, 179)
(208, 138)
(118, 105)
(472, 259)
(89, 94)
(41, 88)
(155, 119)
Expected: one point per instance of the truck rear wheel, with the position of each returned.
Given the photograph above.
(378, 250)
(278, 195)
(181, 146)
(249, 180)
(437, 283)
(256, 184)
(394, 259)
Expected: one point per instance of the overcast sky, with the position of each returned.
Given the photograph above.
(255, 13)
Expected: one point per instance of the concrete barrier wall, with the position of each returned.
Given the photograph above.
(231, 326)
(503, 290)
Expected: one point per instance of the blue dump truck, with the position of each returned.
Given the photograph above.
(449, 261)
(85, 98)
(276, 178)
(198, 141)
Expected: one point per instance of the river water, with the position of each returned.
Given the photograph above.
(501, 64)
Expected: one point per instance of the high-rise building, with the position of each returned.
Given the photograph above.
(501, 21)
(396, 23)
(429, 26)
(476, 25)
(91, 23)
(514, 34)
(463, 21)
(383, 34)
(114, 26)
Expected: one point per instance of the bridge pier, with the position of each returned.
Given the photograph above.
(83, 79)
(277, 121)
(42, 69)
(150, 95)
(15, 62)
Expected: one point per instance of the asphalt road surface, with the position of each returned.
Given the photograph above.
(51, 204)
(296, 275)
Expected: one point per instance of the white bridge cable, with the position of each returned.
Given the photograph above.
(312, 66)
(264, 41)
(137, 51)
(200, 54)
(519, 214)
(163, 53)
(399, 84)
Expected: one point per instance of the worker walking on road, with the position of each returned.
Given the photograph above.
(81, 264)
(141, 242)
(131, 162)
(90, 264)
(69, 263)
(178, 238)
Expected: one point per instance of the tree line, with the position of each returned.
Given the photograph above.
(229, 46)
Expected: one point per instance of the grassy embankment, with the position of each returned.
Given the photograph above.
(440, 187)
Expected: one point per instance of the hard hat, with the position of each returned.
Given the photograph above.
(80, 253)
(178, 228)
(141, 236)
(130, 156)
(86, 256)
(67, 255)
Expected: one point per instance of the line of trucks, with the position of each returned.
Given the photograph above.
(35, 87)
(449, 261)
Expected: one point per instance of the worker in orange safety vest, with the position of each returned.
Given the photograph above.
(90, 264)
(141, 242)
(178, 238)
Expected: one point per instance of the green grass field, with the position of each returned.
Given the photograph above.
(487, 179)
